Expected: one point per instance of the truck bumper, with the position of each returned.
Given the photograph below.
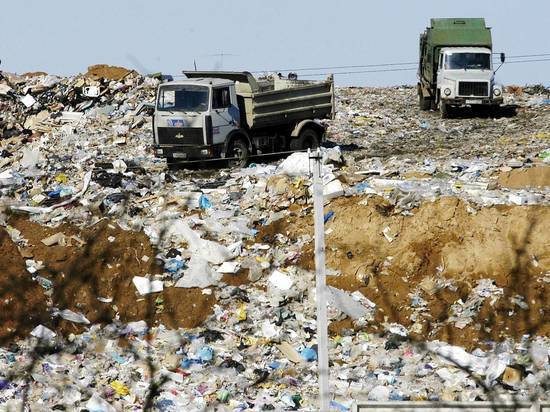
(472, 101)
(182, 152)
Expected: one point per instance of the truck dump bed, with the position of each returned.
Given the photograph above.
(275, 102)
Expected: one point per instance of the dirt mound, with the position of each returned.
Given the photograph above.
(33, 74)
(515, 90)
(103, 267)
(522, 178)
(429, 270)
(104, 71)
(22, 300)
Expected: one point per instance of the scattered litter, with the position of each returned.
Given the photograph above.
(42, 332)
(387, 232)
(28, 100)
(346, 303)
(228, 267)
(97, 404)
(72, 316)
(289, 352)
(91, 91)
(57, 239)
(281, 280)
(145, 286)
(198, 274)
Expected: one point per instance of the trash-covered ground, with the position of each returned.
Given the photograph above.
(125, 285)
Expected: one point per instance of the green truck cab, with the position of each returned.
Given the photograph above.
(456, 65)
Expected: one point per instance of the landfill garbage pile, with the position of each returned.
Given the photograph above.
(35, 103)
(128, 286)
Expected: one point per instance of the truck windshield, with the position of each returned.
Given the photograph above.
(464, 61)
(183, 98)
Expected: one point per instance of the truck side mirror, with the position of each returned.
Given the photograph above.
(502, 59)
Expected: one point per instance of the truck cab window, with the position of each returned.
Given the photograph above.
(167, 99)
(468, 61)
(185, 98)
(221, 98)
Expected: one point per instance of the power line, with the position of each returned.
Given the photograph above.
(360, 71)
(375, 65)
(390, 65)
(334, 67)
(529, 55)
(403, 69)
(528, 61)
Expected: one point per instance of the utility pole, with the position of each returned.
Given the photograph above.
(219, 63)
(315, 158)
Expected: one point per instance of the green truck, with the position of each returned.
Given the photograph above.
(456, 65)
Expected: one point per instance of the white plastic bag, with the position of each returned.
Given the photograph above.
(198, 274)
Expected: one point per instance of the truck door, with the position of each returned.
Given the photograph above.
(225, 115)
(439, 75)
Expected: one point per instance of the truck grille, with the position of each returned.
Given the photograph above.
(473, 89)
(181, 135)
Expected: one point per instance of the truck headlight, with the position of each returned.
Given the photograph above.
(497, 92)
(447, 91)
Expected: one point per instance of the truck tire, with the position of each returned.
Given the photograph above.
(425, 103)
(308, 139)
(444, 110)
(239, 149)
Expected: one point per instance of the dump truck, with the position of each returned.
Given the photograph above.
(456, 65)
(233, 115)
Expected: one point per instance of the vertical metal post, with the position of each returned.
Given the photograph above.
(322, 325)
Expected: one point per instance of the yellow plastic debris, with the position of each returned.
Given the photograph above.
(249, 340)
(298, 183)
(61, 178)
(241, 312)
(120, 388)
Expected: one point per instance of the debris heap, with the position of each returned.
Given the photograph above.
(126, 285)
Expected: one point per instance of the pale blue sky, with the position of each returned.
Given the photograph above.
(64, 37)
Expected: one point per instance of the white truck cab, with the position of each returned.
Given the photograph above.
(465, 76)
(195, 113)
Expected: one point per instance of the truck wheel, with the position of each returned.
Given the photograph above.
(308, 139)
(239, 149)
(444, 110)
(425, 103)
